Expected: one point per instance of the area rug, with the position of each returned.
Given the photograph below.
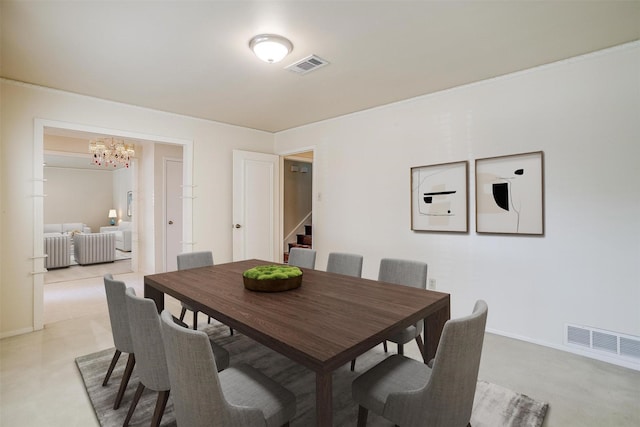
(494, 406)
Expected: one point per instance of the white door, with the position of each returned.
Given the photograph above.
(173, 213)
(256, 187)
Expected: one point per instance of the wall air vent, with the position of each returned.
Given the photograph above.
(308, 64)
(601, 341)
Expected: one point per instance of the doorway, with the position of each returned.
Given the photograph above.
(297, 210)
(144, 256)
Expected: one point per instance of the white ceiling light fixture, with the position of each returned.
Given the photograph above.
(270, 47)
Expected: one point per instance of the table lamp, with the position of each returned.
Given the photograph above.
(112, 216)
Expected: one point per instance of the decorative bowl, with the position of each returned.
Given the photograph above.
(272, 278)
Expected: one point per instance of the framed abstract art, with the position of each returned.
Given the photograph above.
(510, 194)
(439, 197)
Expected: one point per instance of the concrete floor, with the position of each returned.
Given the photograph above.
(40, 384)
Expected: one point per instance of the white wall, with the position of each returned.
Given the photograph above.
(21, 105)
(583, 113)
(77, 195)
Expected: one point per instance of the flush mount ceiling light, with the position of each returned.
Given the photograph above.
(270, 47)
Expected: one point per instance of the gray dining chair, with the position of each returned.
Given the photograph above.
(146, 335)
(344, 263)
(408, 273)
(347, 264)
(194, 260)
(239, 396)
(410, 393)
(302, 257)
(119, 319)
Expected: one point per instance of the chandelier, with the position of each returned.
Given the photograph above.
(111, 151)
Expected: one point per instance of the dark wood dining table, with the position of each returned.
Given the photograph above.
(325, 323)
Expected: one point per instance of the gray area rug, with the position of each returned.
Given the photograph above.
(494, 405)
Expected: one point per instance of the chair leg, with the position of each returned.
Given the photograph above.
(362, 416)
(131, 361)
(421, 348)
(114, 360)
(134, 403)
(400, 348)
(384, 344)
(183, 312)
(195, 320)
(353, 365)
(161, 404)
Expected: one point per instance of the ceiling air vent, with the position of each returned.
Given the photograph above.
(308, 64)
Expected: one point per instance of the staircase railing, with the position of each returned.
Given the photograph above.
(301, 224)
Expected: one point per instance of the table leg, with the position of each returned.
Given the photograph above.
(433, 326)
(156, 295)
(324, 399)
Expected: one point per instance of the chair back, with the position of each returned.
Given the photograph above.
(118, 315)
(198, 398)
(144, 322)
(404, 272)
(302, 257)
(195, 260)
(343, 263)
(447, 398)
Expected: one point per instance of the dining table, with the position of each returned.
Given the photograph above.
(325, 323)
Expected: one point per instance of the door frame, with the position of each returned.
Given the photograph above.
(315, 195)
(38, 197)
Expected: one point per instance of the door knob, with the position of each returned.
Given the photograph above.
(238, 226)
(170, 222)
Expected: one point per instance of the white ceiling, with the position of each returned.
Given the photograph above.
(192, 58)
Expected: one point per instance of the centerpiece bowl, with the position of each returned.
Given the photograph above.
(272, 278)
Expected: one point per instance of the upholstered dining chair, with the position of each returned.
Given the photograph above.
(409, 393)
(239, 396)
(344, 263)
(408, 273)
(119, 319)
(302, 257)
(194, 260)
(146, 335)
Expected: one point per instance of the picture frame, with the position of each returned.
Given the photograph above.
(129, 203)
(510, 194)
(440, 197)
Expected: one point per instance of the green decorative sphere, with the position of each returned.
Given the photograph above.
(272, 278)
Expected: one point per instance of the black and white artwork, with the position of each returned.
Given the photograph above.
(439, 197)
(509, 194)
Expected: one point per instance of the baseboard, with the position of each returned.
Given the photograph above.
(596, 356)
(16, 332)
